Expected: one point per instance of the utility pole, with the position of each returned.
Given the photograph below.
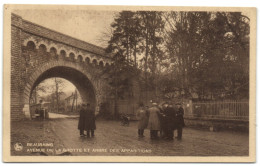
(76, 97)
(72, 106)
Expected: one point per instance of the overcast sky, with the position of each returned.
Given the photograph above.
(87, 25)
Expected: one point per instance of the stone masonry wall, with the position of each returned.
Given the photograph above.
(28, 55)
(16, 82)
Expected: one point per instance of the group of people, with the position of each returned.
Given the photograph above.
(87, 121)
(164, 119)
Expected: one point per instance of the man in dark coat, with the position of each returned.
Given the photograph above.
(90, 124)
(179, 120)
(170, 120)
(162, 116)
(82, 120)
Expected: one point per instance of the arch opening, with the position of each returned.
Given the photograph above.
(80, 58)
(82, 83)
(71, 56)
(63, 54)
(94, 62)
(42, 48)
(53, 52)
(87, 60)
(31, 45)
(57, 95)
(101, 64)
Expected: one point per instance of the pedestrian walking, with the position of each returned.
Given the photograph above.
(82, 120)
(90, 118)
(142, 117)
(154, 121)
(179, 120)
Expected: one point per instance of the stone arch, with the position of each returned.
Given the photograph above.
(72, 56)
(79, 58)
(63, 53)
(42, 47)
(51, 46)
(41, 43)
(62, 48)
(94, 62)
(87, 60)
(53, 49)
(53, 52)
(79, 53)
(72, 52)
(31, 45)
(72, 72)
(101, 63)
(25, 42)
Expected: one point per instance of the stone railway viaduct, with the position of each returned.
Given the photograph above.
(38, 53)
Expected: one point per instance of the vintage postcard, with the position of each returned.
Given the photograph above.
(129, 84)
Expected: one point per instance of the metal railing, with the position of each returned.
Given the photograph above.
(226, 110)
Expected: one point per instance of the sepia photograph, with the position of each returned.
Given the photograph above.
(132, 84)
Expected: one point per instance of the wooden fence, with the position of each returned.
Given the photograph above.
(226, 110)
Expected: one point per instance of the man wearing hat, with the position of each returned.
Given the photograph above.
(90, 124)
(142, 119)
(154, 121)
(82, 119)
(179, 120)
(163, 119)
(170, 118)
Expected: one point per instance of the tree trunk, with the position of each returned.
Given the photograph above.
(57, 94)
(135, 55)
(116, 114)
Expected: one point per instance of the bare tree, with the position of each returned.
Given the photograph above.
(57, 91)
(105, 36)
